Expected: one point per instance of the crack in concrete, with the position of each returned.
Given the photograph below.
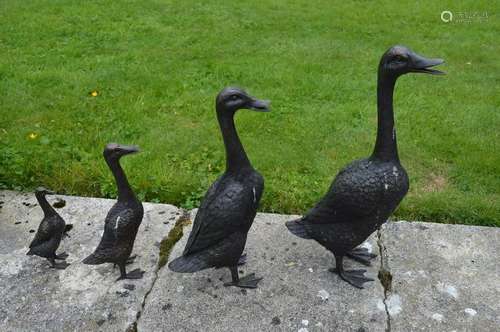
(180, 222)
(384, 276)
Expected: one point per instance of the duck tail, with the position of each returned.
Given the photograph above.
(296, 227)
(189, 263)
(93, 259)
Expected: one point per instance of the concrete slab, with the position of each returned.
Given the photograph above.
(296, 294)
(444, 277)
(82, 297)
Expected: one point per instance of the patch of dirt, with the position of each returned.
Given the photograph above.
(435, 183)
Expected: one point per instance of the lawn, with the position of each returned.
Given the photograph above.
(156, 67)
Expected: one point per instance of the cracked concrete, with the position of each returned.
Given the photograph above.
(430, 277)
(82, 297)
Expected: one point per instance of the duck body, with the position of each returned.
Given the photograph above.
(120, 230)
(122, 221)
(222, 222)
(227, 211)
(49, 234)
(361, 198)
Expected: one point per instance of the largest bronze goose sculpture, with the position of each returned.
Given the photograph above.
(122, 221)
(365, 193)
(229, 207)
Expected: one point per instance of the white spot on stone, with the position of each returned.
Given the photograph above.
(303, 329)
(408, 273)
(180, 289)
(448, 289)
(393, 304)
(305, 322)
(438, 317)
(368, 246)
(380, 305)
(323, 294)
(311, 270)
(319, 324)
(471, 312)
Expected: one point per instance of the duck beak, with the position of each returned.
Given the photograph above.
(129, 149)
(423, 65)
(49, 192)
(259, 105)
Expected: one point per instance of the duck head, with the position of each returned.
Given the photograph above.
(230, 99)
(43, 191)
(114, 151)
(400, 60)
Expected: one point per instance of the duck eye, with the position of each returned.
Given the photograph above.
(399, 58)
(234, 97)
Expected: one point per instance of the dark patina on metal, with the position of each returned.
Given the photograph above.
(229, 207)
(122, 221)
(50, 232)
(365, 193)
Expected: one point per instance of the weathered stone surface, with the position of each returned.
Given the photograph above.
(34, 297)
(445, 277)
(289, 298)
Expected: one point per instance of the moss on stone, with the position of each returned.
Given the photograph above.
(171, 239)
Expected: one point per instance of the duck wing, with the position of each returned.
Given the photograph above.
(227, 208)
(46, 230)
(354, 195)
(118, 225)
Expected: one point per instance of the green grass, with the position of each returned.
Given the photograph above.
(158, 65)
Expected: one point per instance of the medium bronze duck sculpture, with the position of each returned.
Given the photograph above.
(50, 232)
(219, 232)
(366, 192)
(122, 221)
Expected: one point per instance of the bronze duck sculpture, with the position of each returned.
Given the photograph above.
(227, 211)
(123, 219)
(50, 232)
(366, 192)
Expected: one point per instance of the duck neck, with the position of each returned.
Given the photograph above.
(236, 158)
(125, 193)
(48, 210)
(386, 146)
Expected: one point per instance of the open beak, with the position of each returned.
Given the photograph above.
(130, 148)
(423, 65)
(259, 105)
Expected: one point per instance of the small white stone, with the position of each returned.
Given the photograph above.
(303, 329)
(311, 270)
(470, 312)
(448, 289)
(438, 317)
(323, 294)
(305, 322)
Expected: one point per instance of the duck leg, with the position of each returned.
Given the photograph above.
(59, 266)
(134, 274)
(129, 261)
(354, 277)
(62, 255)
(361, 255)
(248, 281)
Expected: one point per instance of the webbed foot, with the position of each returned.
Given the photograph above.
(248, 281)
(354, 277)
(361, 255)
(62, 255)
(134, 274)
(59, 266)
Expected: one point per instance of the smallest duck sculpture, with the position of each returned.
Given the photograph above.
(123, 219)
(229, 207)
(366, 192)
(51, 231)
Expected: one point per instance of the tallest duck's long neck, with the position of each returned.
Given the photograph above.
(236, 158)
(386, 146)
(125, 193)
